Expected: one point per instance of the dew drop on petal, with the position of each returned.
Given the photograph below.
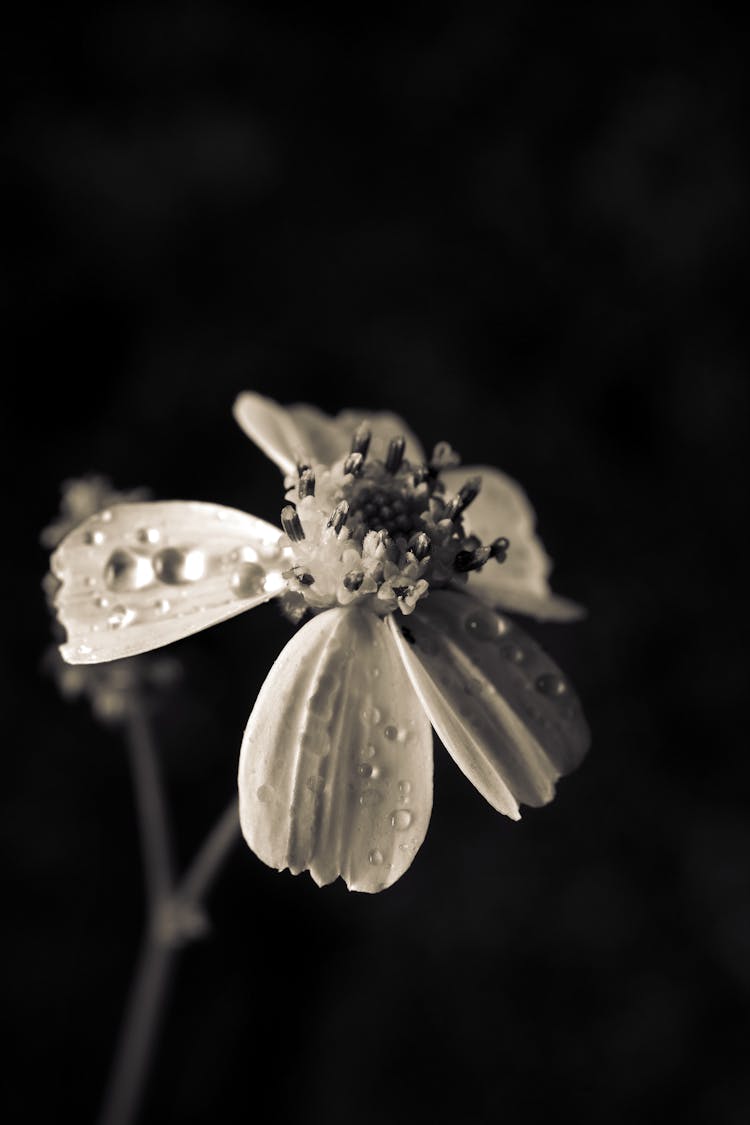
(270, 551)
(127, 571)
(513, 653)
(120, 617)
(105, 516)
(401, 819)
(316, 783)
(391, 733)
(148, 535)
(375, 857)
(84, 650)
(482, 624)
(264, 793)
(375, 716)
(551, 684)
(247, 580)
(102, 603)
(370, 797)
(404, 790)
(368, 751)
(163, 605)
(364, 769)
(94, 538)
(176, 566)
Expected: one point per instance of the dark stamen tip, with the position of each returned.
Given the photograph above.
(306, 483)
(305, 578)
(354, 579)
(395, 454)
(290, 522)
(420, 545)
(337, 518)
(499, 548)
(471, 560)
(354, 464)
(361, 439)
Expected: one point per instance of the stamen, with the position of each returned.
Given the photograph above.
(400, 591)
(290, 522)
(471, 560)
(337, 518)
(306, 483)
(354, 464)
(420, 475)
(305, 578)
(443, 457)
(302, 466)
(420, 545)
(361, 439)
(354, 579)
(466, 494)
(499, 549)
(395, 454)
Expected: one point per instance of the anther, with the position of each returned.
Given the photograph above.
(302, 467)
(499, 549)
(361, 439)
(420, 545)
(471, 560)
(305, 578)
(354, 579)
(420, 474)
(337, 518)
(354, 464)
(395, 454)
(465, 495)
(400, 591)
(290, 522)
(306, 485)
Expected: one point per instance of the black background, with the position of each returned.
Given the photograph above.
(524, 233)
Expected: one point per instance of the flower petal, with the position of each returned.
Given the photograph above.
(502, 708)
(519, 583)
(138, 576)
(335, 771)
(288, 435)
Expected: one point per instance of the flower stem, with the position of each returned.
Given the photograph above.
(174, 917)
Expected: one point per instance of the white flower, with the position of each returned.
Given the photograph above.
(401, 562)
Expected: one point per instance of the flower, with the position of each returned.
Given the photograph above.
(400, 564)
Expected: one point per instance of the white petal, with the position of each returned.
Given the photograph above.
(138, 576)
(520, 583)
(509, 719)
(288, 435)
(335, 771)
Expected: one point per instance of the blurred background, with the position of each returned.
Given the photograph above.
(525, 233)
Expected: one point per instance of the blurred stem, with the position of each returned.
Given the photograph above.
(175, 916)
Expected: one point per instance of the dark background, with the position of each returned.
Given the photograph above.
(525, 234)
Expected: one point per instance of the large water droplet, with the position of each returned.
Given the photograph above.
(270, 551)
(176, 566)
(264, 793)
(550, 684)
(370, 797)
(401, 819)
(404, 790)
(482, 624)
(120, 617)
(364, 769)
(375, 857)
(248, 580)
(127, 571)
(391, 733)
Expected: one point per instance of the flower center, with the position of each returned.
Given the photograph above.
(380, 532)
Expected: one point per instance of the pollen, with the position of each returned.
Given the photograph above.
(378, 533)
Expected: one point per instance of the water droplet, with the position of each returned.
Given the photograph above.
(375, 857)
(176, 566)
(84, 650)
(275, 582)
(391, 733)
(162, 605)
(127, 571)
(120, 617)
(148, 535)
(550, 684)
(370, 797)
(375, 716)
(105, 516)
(270, 551)
(264, 793)
(503, 626)
(89, 580)
(404, 790)
(248, 580)
(376, 672)
(364, 769)
(94, 538)
(316, 783)
(315, 742)
(482, 624)
(513, 653)
(101, 602)
(368, 751)
(401, 819)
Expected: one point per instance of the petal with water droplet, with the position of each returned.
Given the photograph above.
(519, 583)
(190, 572)
(506, 714)
(291, 434)
(305, 742)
